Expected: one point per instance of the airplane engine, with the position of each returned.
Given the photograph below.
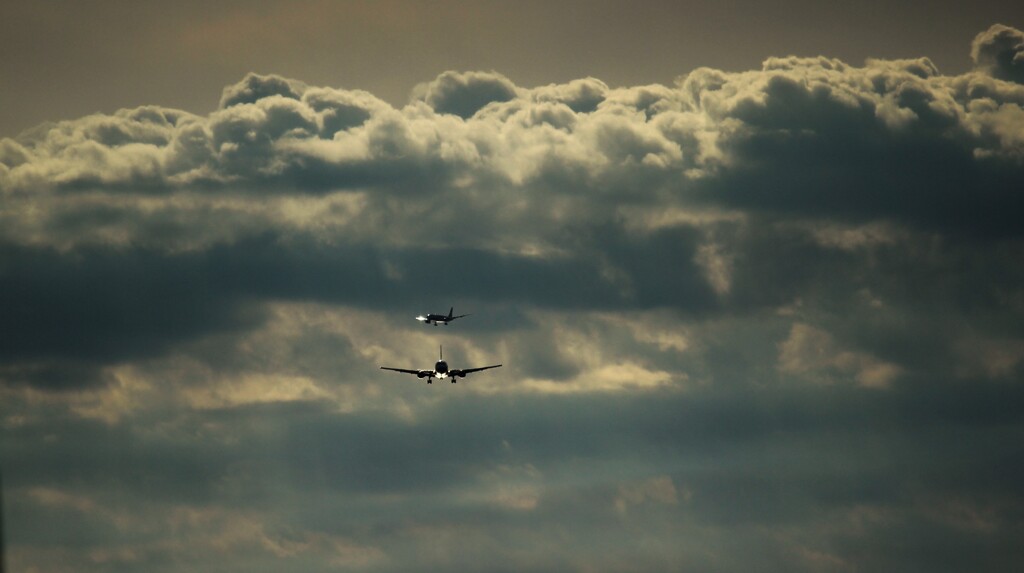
(422, 374)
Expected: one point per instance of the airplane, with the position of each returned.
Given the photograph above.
(436, 318)
(440, 371)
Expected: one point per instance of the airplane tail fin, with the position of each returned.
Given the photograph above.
(441, 350)
(451, 311)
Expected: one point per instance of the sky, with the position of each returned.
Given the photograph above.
(753, 272)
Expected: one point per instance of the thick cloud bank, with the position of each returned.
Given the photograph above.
(892, 140)
(768, 320)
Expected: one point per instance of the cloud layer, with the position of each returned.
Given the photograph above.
(768, 317)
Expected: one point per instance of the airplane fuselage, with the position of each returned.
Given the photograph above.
(441, 369)
(435, 319)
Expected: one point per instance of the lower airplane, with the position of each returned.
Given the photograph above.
(441, 371)
(436, 318)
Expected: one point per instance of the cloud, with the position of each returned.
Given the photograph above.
(811, 351)
(255, 87)
(775, 314)
(581, 96)
(464, 94)
(655, 490)
(999, 51)
(889, 140)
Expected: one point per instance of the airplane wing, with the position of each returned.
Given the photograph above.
(420, 373)
(465, 371)
(459, 316)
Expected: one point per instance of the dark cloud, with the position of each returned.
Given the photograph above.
(97, 306)
(464, 94)
(255, 87)
(102, 305)
(816, 148)
(581, 96)
(722, 467)
(1000, 52)
(341, 110)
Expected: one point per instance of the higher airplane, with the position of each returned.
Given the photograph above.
(440, 371)
(436, 318)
